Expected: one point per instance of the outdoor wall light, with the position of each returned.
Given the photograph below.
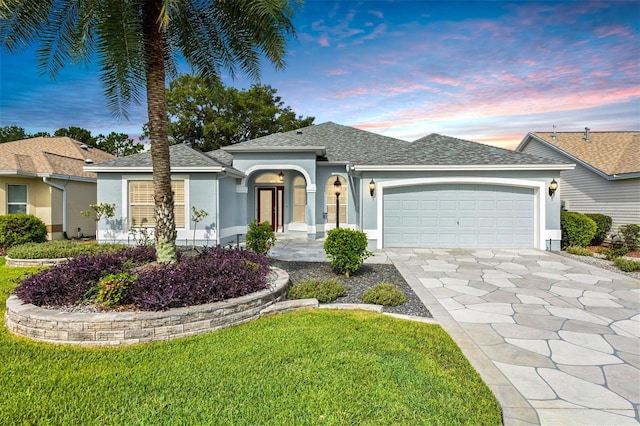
(281, 176)
(553, 186)
(372, 187)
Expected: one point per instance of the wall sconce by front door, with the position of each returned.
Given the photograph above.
(553, 186)
(372, 187)
(337, 186)
(281, 176)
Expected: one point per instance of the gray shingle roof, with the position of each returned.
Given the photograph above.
(221, 156)
(342, 143)
(440, 150)
(182, 156)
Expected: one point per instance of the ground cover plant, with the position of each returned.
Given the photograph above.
(307, 367)
(385, 294)
(324, 291)
(627, 265)
(213, 275)
(60, 249)
(579, 251)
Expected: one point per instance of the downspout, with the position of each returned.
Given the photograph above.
(64, 204)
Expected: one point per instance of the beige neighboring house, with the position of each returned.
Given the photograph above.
(45, 177)
(606, 179)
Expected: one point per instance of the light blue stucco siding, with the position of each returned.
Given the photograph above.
(546, 208)
(232, 211)
(203, 195)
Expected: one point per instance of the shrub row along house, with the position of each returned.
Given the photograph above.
(437, 191)
(44, 176)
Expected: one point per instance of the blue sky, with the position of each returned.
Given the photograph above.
(488, 71)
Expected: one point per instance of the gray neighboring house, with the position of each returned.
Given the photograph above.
(606, 179)
(437, 191)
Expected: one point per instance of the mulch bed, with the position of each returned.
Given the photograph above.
(367, 276)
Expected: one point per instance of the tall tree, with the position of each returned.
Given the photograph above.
(12, 133)
(77, 133)
(136, 43)
(208, 116)
(118, 144)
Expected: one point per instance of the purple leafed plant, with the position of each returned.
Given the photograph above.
(215, 274)
(67, 283)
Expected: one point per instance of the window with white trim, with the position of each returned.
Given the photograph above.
(330, 192)
(16, 198)
(299, 199)
(141, 203)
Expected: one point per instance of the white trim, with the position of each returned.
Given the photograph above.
(311, 188)
(149, 169)
(259, 167)
(539, 191)
(296, 226)
(232, 231)
(373, 234)
(552, 234)
(461, 167)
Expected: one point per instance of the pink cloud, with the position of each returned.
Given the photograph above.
(323, 40)
(613, 30)
(336, 71)
(377, 13)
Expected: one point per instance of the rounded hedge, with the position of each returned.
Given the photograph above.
(385, 294)
(577, 229)
(603, 226)
(346, 249)
(20, 228)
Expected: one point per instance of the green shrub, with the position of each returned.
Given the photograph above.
(603, 226)
(21, 228)
(577, 229)
(612, 254)
(325, 291)
(580, 251)
(347, 249)
(260, 237)
(384, 294)
(631, 233)
(627, 265)
(112, 290)
(60, 249)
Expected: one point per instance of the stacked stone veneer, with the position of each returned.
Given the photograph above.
(34, 262)
(126, 328)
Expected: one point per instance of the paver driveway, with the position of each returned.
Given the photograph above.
(558, 341)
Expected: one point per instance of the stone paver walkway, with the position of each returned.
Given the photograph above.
(557, 341)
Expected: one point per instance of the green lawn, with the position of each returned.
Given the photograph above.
(306, 367)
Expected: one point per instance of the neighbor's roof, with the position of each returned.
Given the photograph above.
(613, 153)
(49, 156)
(366, 150)
(182, 159)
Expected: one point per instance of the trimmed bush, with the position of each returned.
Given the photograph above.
(579, 251)
(603, 226)
(324, 291)
(21, 228)
(260, 237)
(113, 289)
(385, 294)
(612, 254)
(347, 249)
(627, 265)
(60, 249)
(577, 229)
(631, 234)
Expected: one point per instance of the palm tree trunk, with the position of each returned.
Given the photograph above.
(165, 230)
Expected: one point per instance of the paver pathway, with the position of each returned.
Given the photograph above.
(558, 341)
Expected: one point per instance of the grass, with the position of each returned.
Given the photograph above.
(305, 367)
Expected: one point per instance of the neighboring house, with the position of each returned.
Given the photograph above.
(435, 192)
(45, 177)
(606, 179)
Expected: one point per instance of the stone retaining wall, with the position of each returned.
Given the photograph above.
(126, 328)
(34, 262)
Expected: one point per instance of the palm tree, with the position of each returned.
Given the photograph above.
(136, 43)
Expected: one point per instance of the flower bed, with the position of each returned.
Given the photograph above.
(126, 328)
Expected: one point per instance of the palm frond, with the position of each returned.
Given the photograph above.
(21, 22)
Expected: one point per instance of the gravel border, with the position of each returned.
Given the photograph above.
(601, 262)
(367, 276)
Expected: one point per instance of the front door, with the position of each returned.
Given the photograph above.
(271, 207)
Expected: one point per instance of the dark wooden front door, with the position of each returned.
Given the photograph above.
(271, 207)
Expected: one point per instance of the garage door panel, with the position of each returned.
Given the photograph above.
(466, 215)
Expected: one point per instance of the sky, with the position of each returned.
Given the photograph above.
(486, 71)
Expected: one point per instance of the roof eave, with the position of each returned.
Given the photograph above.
(460, 167)
(319, 150)
(149, 169)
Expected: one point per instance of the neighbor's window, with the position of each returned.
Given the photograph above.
(299, 199)
(331, 200)
(141, 203)
(16, 198)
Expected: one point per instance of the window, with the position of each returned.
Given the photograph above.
(299, 199)
(331, 200)
(268, 178)
(16, 198)
(141, 203)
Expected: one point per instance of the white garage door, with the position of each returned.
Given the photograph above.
(458, 215)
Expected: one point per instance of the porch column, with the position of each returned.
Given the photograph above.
(310, 213)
